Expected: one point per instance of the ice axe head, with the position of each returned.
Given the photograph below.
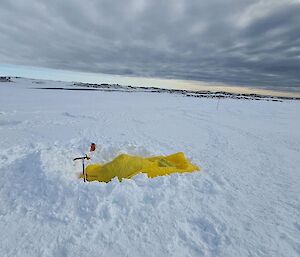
(92, 147)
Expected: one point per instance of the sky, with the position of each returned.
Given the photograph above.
(251, 43)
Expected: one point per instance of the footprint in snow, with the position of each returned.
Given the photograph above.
(67, 114)
(9, 122)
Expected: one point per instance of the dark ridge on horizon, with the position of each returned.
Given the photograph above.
(199, 94)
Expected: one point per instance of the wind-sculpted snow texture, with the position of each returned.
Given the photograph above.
(245, 202)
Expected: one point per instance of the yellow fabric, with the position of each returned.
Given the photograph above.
(127, 166)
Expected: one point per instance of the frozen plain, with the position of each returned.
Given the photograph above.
(244, 202)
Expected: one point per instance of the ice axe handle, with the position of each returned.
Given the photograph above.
(83, 168)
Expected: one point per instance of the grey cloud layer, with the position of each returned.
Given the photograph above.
(245, 42)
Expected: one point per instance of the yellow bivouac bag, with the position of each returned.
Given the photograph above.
(127, 166)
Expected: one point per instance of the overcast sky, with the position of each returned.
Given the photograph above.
(235, 42)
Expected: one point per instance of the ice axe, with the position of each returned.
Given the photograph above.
(86, 157)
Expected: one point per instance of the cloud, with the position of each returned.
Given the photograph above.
(254, 43)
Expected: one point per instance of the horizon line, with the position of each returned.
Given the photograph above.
(31, 72)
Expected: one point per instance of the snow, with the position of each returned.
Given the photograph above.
(244, 202)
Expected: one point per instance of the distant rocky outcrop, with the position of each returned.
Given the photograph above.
(5, 79)
(187, 93)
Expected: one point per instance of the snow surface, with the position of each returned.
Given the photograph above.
(244, 202)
